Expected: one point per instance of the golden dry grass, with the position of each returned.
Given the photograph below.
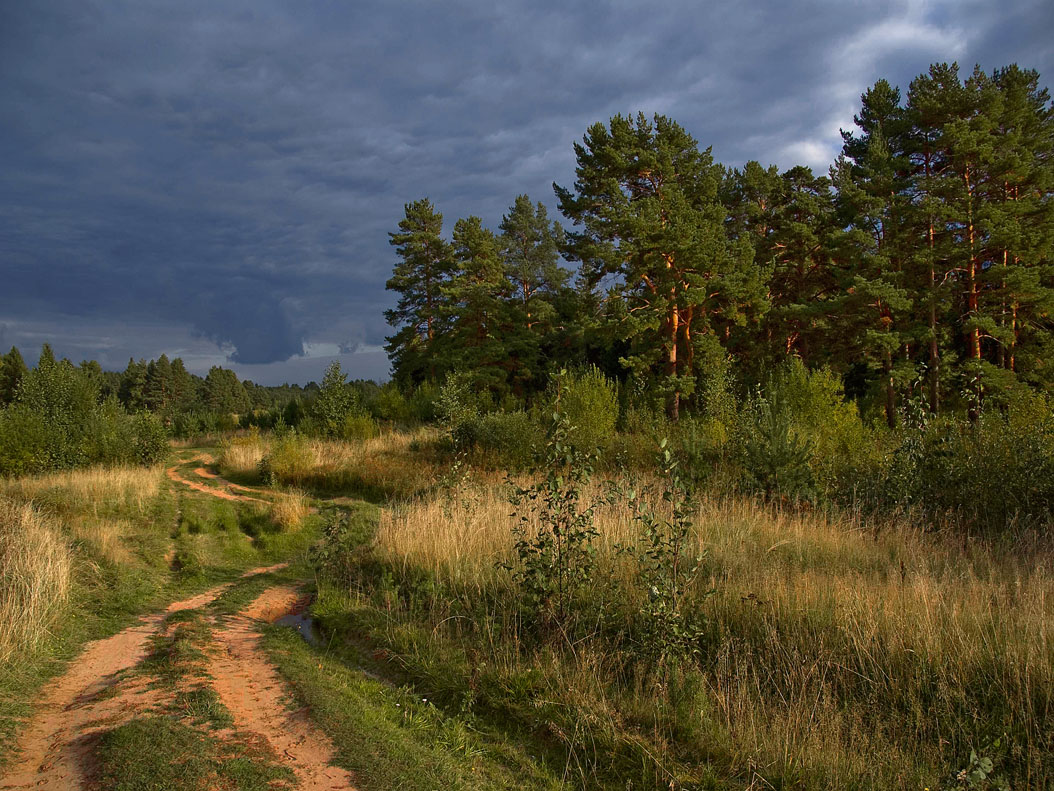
(838, 641)
(242, 456)
(381, 466)
(289, 509)
(35, 569)
(103, 500)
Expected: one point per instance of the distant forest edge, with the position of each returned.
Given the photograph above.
(922, 264)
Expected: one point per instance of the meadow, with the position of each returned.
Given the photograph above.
(832, 648)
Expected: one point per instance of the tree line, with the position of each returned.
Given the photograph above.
(920, 266)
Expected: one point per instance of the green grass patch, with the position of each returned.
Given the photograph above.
(160, 754)
(391, 738)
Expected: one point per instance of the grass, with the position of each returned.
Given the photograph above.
(392, 738)
(380, 468)
(836, 653)
(161, 754)
(35, 570)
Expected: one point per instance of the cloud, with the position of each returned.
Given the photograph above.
(227, 173)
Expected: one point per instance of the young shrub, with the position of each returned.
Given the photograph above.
(459, 407)
(390, 404)
(25, 442)
(515, 437)
(334, 402)
(775, 457)
(667, 568)
(556, 561)
(150, 445)
(358, 427)
(589, 401)
(423, 403)
(290, 460)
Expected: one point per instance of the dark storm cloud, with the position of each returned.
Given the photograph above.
(219, 178)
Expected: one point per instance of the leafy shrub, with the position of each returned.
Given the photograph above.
(557, 559)
(150, 445)
(358, 427)
(589, 401)
(459, 408)
(667, 567)
(390, 404)
(290, 460)
(514, 436)
(25, 442)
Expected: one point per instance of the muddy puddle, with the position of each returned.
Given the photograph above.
(304, 625)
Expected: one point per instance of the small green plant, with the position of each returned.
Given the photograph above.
(556, 561)
(775, 456)
(979, 774)
(668, 566)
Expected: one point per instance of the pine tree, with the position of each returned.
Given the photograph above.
(647, 200)
(425, 265)
(12, 369)
(132, 392)
(475, 310)
(871, 181)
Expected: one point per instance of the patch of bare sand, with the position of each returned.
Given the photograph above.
(251, 688)
(173, 474)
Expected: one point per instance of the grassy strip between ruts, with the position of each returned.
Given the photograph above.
(161, 754)
(391, 738)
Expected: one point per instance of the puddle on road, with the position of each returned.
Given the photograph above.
(304, 625)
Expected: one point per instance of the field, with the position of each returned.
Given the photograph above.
(807, 648)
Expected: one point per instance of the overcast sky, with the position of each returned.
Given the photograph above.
(216, 179)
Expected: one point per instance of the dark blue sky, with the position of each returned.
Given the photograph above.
(216, 180)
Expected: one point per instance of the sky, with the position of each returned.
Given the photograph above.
(217, 180)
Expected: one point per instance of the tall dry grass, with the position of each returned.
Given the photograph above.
(379, 467)
(290, 509)
(97, 505)
(35, 569)
(839, 653)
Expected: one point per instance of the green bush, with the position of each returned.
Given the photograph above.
(358, 427)
(514, 436)
(290, 460)
(390, 404)
(150, 443)
(589, 400)
(775, 455)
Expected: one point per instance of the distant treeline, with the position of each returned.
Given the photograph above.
(58, 415)
(921, 265)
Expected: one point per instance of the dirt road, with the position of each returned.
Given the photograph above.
(101, 691)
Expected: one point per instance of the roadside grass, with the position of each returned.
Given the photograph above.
(162, 754)
(835, 653)
(392, 738)
(35, 570)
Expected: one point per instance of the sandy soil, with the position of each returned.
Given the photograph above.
(173, 473)
(250, 687)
